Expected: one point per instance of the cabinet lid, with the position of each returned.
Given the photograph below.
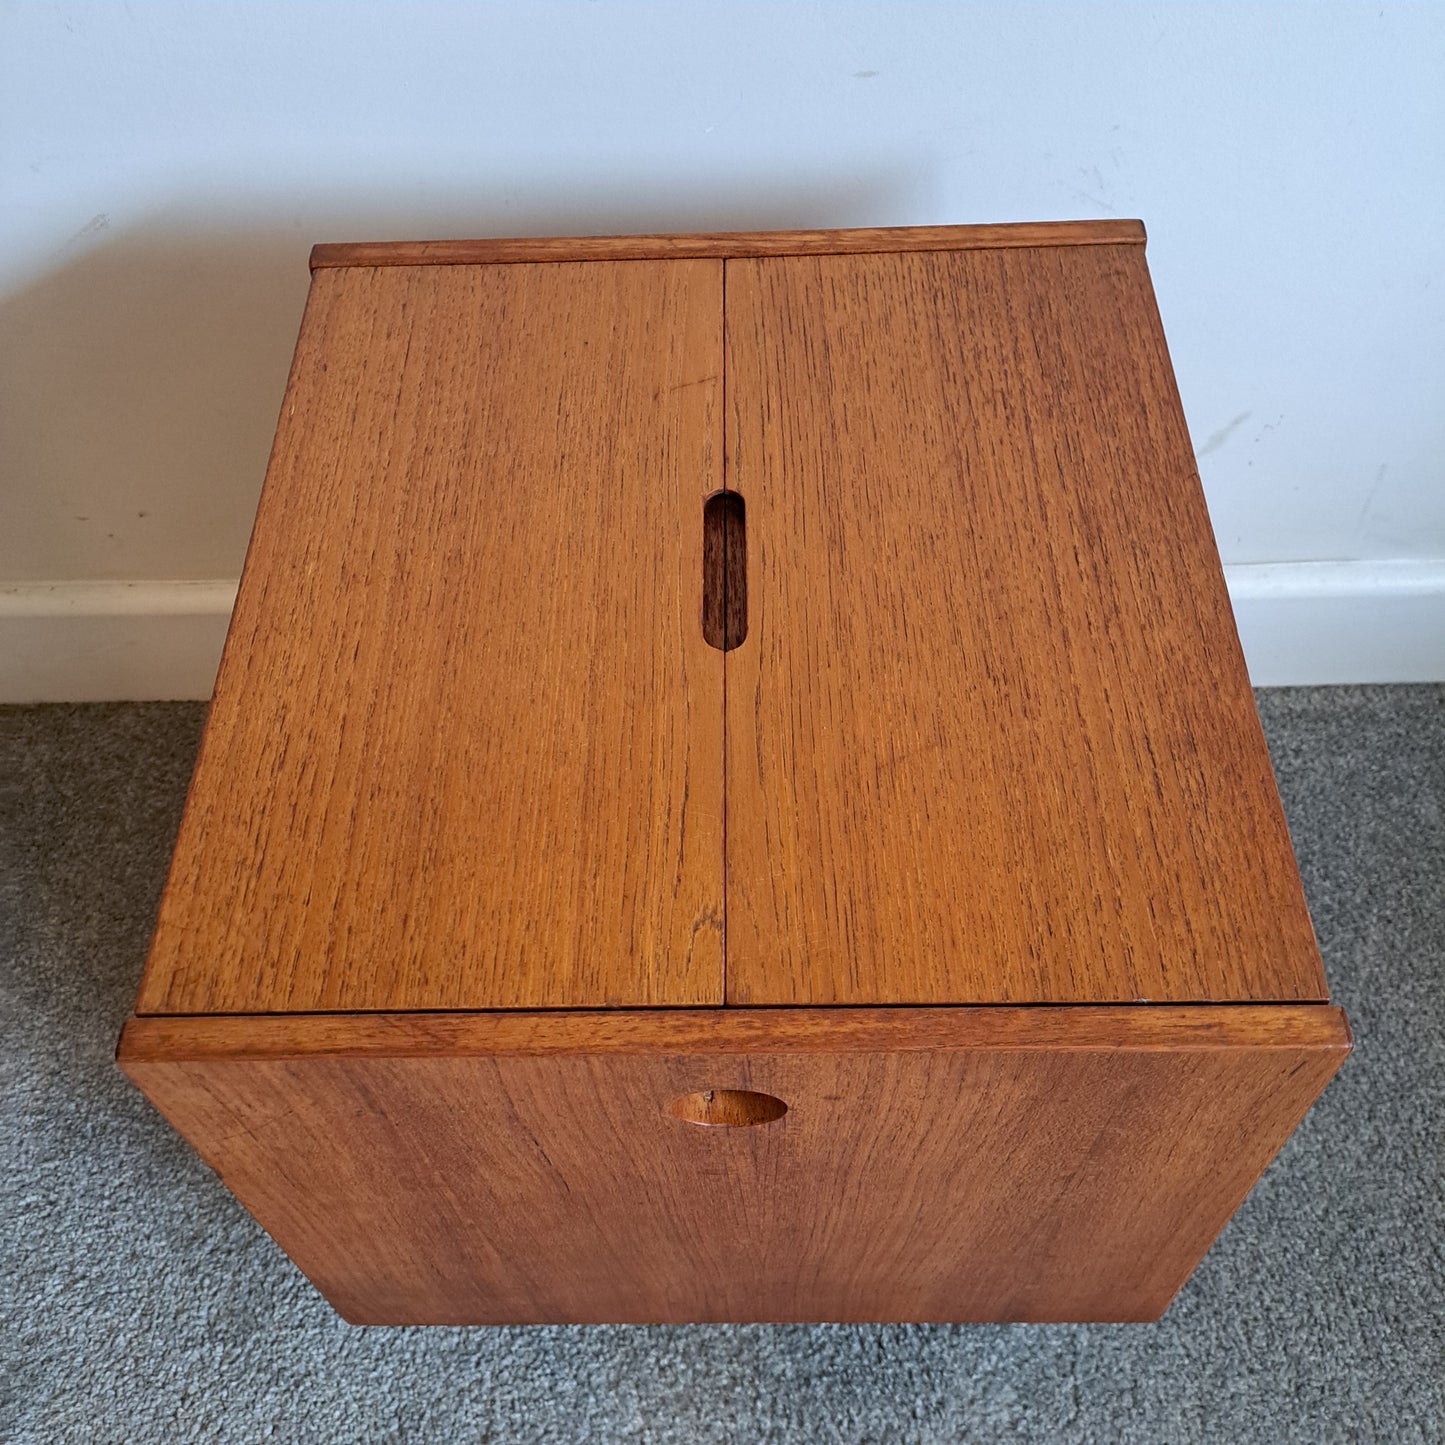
(986, 737)
(464, 746)
(990, 738)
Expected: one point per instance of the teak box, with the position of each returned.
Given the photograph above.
(732, 793)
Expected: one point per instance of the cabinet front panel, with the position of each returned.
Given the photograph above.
(465, 747)
(971, 1164)
(990, 737)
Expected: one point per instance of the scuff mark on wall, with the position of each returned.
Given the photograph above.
(93, 227)
(1218, 439)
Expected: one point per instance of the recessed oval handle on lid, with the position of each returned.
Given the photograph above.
(727, 1108)
(724, 571)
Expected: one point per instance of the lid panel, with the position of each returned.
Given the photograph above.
(989, 737)
(465, 745)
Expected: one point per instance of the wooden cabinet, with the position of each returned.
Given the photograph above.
(732, 794)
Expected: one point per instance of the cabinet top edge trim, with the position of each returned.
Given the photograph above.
(722, 245)
(147, 1040)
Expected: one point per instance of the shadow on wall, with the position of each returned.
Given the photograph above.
(140, 383)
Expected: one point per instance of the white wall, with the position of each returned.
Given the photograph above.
(165, 168)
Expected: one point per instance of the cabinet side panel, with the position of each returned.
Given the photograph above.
(990, 737)
(464, 750)
(975, 1179)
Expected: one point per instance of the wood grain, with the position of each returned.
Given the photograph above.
(730, 243)
(931, 1165)
(990, 736)
(464, 750)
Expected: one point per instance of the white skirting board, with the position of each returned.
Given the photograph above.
(1305, 623)
(111, 641)
(1300, 622)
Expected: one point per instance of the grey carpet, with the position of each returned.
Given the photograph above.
(141, 1304)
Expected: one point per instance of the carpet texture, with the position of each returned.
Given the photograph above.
(140, 1303)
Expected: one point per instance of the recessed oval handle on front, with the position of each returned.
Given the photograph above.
(727, 1108)
(724, 570)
